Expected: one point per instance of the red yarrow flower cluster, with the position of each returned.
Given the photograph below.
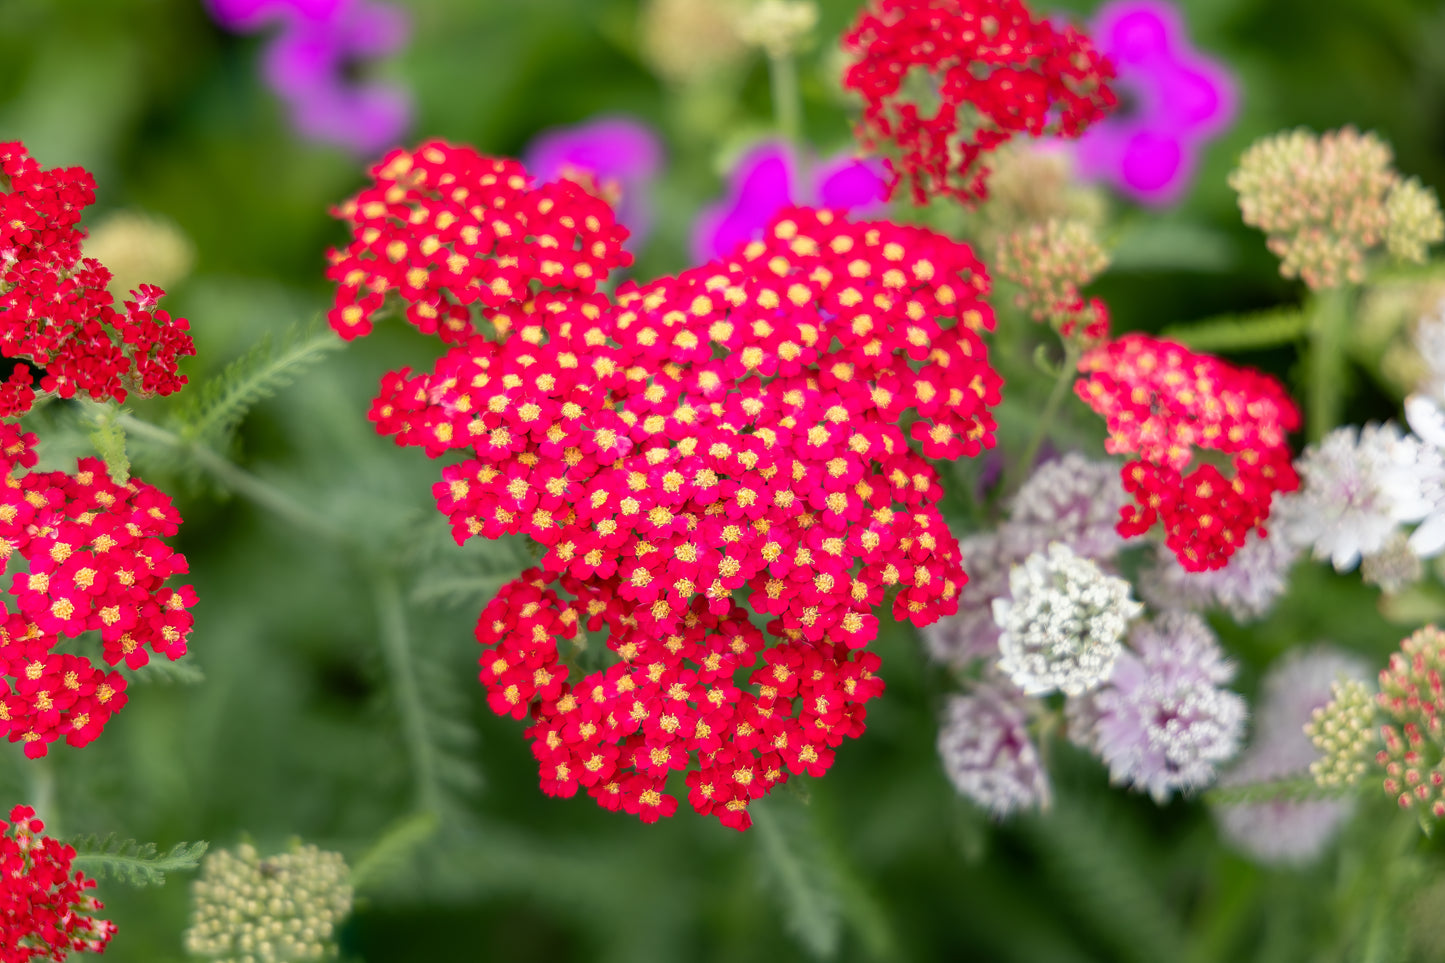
(95, 562)
(1173, 409)
(944, 82)
(56, 314)
(727, 437)
(447, 228)
(45, 910)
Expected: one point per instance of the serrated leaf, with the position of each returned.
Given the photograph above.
(162, 671)
(108, 439)
(1242, 332)
(795, 865)
(1294, 789)
(137, 864)
(388, 855)
(257, 375)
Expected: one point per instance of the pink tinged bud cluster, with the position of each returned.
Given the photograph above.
(729, 433)
(45, 908)
(1284, 830)
(56, 315)
(1050, 262)
(1412, 701)
(1324, 201)
(1163, 723)
(987, 750)
(95, 561)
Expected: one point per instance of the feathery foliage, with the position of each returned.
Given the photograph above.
(796, 867)
(137, 864)
(222, 403)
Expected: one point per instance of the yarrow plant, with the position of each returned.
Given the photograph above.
(735, 428)
(944, 82)
(1171, 407)
(46, 910)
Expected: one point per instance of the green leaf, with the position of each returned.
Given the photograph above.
(1162, 246)
(796, 866)
(1242, 332)
(1294, 789)
(389, 854)
(162, 671)
(257, 375)
(138, 864)
(108, 439)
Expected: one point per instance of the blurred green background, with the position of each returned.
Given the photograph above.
(298, 729)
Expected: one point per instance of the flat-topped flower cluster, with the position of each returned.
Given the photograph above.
(696, 450)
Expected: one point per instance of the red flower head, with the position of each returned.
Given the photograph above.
(1168, 405)
(944, 82)
(447, 228)
(725, 437)
(55, 312)
(94, 562)
(44, 908)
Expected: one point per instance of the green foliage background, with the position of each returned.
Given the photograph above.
(339, 700)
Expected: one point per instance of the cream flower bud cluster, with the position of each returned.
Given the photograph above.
(1062, 625)
(280, 909)
(778, 27)
(1344, 732)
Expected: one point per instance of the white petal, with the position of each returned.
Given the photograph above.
(1426, 419)
(1428, 540)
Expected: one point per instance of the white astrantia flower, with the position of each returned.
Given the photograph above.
(1357, 489)
(1163, 723)
(987, 751)
(1427, 420)
(1063, 623)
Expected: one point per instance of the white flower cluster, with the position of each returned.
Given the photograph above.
(1164, 723)
(1072, 500)
(1360, 490)
(1063, 625)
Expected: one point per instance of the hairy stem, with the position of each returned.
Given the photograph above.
(1067, 370)
(787, 97)
(1326, 362)
(240, 481)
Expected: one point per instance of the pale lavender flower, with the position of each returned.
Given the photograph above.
(972, 634)
(1284, 831)
(1356, 491)
(1163, 723)
(987, 752)
(1173, 100)
(621, 154)
(308, 65)
(767, 179)
(1247, 588)
(1062, 622)
(1072, 500)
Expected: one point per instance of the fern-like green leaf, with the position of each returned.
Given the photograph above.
(257, 375)
(795, 864)
(1292, 789)
(388, 856)
(138, 864)
(161, 671)
(1242, 332)
(108, 439)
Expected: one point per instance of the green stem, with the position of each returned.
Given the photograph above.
(1065, 378)
(787, 97)
(396, 645)
(240, 481)
(1326, 363)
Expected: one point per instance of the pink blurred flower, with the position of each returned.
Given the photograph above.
(767, 179)
(621, 154)
(1172, 100)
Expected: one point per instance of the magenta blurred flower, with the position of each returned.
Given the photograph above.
(309, 65)
(1172, 100)
(619, 154)
(766, 179)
